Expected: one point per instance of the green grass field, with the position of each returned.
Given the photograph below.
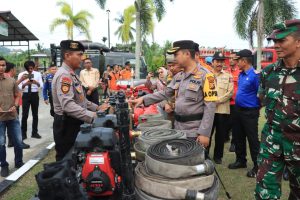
(238, 185)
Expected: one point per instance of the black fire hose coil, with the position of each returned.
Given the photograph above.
(153, 136)
(177, 151)
(156, 135)
(178, 158)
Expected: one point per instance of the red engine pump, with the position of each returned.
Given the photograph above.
(99, 178)
(152, 109)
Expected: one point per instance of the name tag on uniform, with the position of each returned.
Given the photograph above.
(192, 86)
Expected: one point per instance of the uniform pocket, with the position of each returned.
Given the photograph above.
(192, 93)
(223, 85)
(292, 105)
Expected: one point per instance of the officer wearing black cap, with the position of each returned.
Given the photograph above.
(247, 107)
(225, 92)
(195, 92)
(70, 104)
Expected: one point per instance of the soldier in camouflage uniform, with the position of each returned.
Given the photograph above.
(280, 93)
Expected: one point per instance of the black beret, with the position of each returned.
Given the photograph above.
(218, 56)
(245, 53)
(182, 44)
(71, 45)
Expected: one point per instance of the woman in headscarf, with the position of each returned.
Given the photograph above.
(159, 85)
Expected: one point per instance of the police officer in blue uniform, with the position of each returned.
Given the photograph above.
(47, 93)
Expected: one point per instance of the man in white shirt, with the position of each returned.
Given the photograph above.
(30, 88)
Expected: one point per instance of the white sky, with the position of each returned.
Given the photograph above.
(208, 22)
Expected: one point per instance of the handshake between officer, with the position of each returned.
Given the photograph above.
(195, 94)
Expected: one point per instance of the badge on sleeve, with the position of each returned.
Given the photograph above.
(65, 84)
(209, 88)
(81, 98)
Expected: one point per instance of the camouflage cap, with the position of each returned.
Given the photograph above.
(281, 30)
(182, 44)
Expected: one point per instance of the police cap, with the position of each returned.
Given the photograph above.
(70, 45)
(170, 59)
(182, 44)
(283, 29)
(218, 56)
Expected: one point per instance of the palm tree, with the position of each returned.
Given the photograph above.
(142, 22)
(125, 30)
(104, 39)
(101, 3)
(71, 20)
(259, 16)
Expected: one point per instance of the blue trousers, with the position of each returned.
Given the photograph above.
(14, 131)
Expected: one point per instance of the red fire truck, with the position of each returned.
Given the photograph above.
(268, 57)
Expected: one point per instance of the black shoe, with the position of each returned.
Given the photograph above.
(10, 144)
(253, 172)
(218, 161)
(285, 174)
(25, 146)
(226, 140)
(19, 165)
(237, 165)
(36, 135)
(232, 148)
(4, 171)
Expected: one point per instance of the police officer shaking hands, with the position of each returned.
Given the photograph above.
(195, 92)
(70, 104)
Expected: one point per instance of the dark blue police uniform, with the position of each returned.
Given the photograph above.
(47, 94)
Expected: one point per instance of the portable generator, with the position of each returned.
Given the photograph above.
(102, 155)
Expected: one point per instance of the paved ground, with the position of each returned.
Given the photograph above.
(36, 145)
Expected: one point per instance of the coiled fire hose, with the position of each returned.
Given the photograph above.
(165, 188)
(150, 117)
(153, 136)
(158, 124)
(176, 172)
(178, 151)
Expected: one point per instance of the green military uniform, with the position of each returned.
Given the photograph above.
(280, 145)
